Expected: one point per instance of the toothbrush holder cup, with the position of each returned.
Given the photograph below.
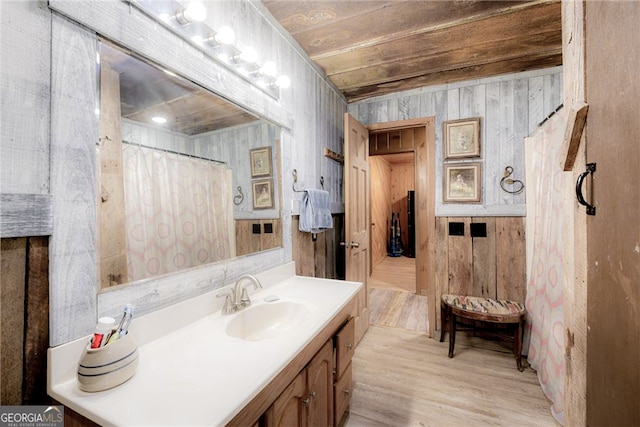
(109, 366)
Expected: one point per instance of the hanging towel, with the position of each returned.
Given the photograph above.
(315, 213)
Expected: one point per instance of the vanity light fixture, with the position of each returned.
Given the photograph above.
(194, 12)
(220, 44)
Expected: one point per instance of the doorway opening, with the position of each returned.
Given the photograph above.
(393, 262)
(401, 171)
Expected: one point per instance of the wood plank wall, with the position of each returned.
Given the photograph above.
(380, 208)
(403, 178)
(24, 319)
(324, 257)
(390, 183)
(491, 266)
(510, 107)
(575, 231)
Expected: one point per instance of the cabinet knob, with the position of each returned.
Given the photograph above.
(349, 346)
(307, 401)
(346, 391)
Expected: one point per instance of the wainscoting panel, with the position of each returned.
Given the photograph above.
(24, 336)
(248, 241)
(491, 266)
(324, 257)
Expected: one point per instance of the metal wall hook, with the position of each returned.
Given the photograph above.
(238, 198)
(591, 168)
(295, 180)
(506, 180)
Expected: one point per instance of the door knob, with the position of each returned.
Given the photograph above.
(350, 244)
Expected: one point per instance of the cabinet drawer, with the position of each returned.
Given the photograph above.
(345, 346)
(342, 389)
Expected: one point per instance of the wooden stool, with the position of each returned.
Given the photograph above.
(485, 310)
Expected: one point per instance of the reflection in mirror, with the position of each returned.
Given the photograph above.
(173, 157)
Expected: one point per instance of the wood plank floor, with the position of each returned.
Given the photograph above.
(398, 309)
(398, 273)
(404, 378)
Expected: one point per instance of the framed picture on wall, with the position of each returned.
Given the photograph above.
(462, 182)
(260, 162)
(461, 138)
(263, 194)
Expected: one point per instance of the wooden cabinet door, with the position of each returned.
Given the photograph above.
(288, 410)
(320, 388)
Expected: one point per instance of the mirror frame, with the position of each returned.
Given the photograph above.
(74, 299)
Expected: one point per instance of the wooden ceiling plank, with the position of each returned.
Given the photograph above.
(496, 29)
(452, 76)
(299, 16)
(454, 59)
(404, 19)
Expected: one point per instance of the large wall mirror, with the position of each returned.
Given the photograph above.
(185, 177)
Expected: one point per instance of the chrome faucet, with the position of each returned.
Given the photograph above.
(238, 297)
(240, 294)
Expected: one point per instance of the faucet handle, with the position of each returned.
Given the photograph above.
(228, 306)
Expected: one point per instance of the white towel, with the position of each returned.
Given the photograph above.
(315, 212)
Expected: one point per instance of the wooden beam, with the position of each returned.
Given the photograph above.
(462, 74)
(573, 134)
(23, 215)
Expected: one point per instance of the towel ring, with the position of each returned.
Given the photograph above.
(238, 198)
(505, 179)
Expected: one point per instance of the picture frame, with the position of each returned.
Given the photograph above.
(260, 162)
(461, 138)
(462, 182)
(262, 194)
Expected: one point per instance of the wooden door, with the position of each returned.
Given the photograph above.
(357, 215)
(613, 234)
(319, 400)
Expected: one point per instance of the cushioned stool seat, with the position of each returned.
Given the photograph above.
(485, 310)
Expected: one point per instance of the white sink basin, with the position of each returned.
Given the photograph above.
(265, 321)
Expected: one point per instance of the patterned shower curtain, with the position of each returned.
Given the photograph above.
(178, 212)
(545, 275)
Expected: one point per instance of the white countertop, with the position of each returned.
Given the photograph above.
(196, 374)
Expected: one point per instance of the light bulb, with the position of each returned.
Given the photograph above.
(283, 82)
(159, 120)
(195, 12)
(248, 55)
(268, 69)
(225, 35)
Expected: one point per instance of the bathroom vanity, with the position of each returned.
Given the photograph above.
(286, 356)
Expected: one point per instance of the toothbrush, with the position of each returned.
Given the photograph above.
(123, 329)
(116, 333)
